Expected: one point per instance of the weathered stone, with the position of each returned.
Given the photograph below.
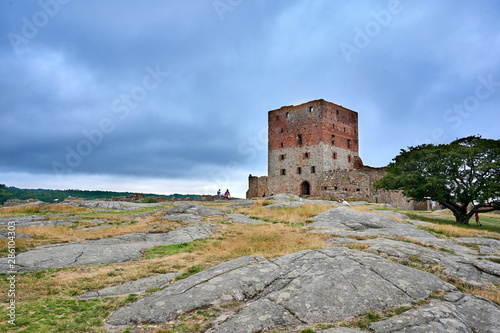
(485, 245)
(341, 330)
(31, 221)
(345, 221)
(112, 205)
(4, 233)
(308, 287)
(240, 218)
(242, 203)
(457, 313)
(293, 204)
(102, 251)
(462, 264)
(194, 209)
(184, 217)
(391, 213)
(135, 287)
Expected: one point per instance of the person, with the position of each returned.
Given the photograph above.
(219, 193)
(342, 201)
(477, 219)
(227, 195)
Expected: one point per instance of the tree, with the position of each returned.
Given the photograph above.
(462, 173)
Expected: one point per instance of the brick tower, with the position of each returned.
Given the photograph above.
(308, 140)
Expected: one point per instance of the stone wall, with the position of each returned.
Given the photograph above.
(257, 187)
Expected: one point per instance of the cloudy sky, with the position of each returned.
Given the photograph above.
(172, 96)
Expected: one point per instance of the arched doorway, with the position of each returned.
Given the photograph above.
(305, 188)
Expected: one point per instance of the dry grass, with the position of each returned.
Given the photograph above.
(295, 215)
(41, 208)
(457, 231)
(492, 293)
(267, 241)
(232, 241)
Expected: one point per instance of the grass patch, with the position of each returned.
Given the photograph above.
(190, 271)
(490, 221)
(168, 250)
(60, 314)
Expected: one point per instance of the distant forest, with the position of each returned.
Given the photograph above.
(44, 195)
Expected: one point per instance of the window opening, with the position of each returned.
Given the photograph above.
(299, 170)
(299, 139)
(283, 172)
(313, 169)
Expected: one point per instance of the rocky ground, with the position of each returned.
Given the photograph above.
(377, 271)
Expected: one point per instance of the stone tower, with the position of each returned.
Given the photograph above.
(308, 140)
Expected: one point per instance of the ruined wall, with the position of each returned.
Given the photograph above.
(257, 187)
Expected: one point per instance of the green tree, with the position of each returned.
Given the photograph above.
(462, 173)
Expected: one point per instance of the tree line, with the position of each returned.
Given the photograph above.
(45, 195)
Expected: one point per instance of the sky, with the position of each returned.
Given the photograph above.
(163, 96)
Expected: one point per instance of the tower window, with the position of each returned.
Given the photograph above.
(282, 157)
(337, 111)
(306, 155)
(277, 117)
(334, 156)
(282, 145)
(313, 169)
(344, 129)
(281, 130)
(325, 188)
(311, 109)
(299, 170)
(333, 140)
(349, 158)
(349, 145)
(288, 114)
(283, 172)
(299, 139)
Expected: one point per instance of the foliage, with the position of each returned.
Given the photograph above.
(45, 195)
(466, 171)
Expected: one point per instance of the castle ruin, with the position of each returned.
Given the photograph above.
(313, 151)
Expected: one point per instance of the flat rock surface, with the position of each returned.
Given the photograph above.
(304, 288)
(31, 221)
(103, 251)
(292, 204)
(485, 245)
(241, 218)
(458, 312)
(242, 203)
(4, 233)
(345, 221)
(112, 205)
(184, 217)
(194, 209)
(135, 287)
(464, 264)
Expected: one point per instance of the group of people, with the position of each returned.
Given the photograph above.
(226, 196)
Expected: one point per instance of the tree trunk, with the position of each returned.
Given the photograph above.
(460, 213)
(462, 218)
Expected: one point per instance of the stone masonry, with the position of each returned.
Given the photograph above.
(313, 150)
